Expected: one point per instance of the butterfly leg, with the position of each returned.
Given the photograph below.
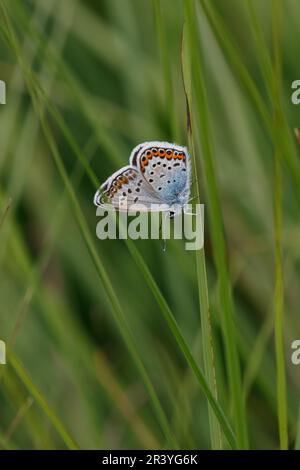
(165, 215)
(190, 213)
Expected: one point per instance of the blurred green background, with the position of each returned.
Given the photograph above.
(86, 82)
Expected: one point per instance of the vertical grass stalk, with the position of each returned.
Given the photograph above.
(206, 327)
(217, 233)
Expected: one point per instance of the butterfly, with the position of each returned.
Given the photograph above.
(158, 173)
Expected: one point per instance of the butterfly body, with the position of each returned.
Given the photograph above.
(158, 173)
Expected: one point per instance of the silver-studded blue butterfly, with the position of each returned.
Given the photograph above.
(158, 173)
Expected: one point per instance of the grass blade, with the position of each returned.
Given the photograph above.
(207, 340)
(218, 239)
(5, 212)
(119, 397)
(36, 394)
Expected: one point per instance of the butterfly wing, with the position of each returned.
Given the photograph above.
(126, 187)
(166, 168)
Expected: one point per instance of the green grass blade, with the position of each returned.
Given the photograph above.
(206, 327)
(218, 239)
(37, 395)
(263, 55)
(257, 353)
(184, 347)
(5, 212)
(232, 55)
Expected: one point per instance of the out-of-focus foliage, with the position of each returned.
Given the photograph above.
(112, 71)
